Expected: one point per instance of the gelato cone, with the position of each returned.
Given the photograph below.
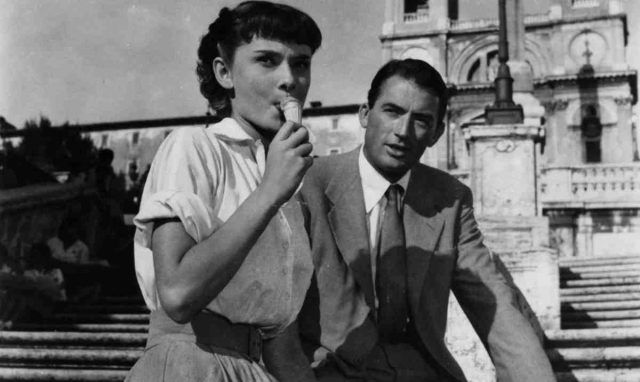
(291, 109)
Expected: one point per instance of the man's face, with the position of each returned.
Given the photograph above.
(400, 125)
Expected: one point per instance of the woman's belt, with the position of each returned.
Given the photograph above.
(208, 328)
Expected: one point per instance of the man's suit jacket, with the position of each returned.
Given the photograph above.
(445, 251)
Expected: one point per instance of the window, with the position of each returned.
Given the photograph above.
(591, 132)
(593, 151)
(416, 6)
(104, 140)
(335, 150)
(135, 138)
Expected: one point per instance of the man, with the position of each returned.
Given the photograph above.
(390, 238)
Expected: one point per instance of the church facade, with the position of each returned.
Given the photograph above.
(572, 78)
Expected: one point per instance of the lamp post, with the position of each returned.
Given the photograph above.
(503, 110)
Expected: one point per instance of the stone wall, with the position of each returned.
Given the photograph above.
(31, 215)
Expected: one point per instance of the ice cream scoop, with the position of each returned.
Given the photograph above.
(292, 109)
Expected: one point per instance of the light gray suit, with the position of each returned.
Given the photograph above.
(445, 251)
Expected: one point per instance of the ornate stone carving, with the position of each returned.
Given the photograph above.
(623, 101)
(555, 105)
(505, 146)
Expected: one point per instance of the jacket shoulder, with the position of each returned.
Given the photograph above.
(441, 179)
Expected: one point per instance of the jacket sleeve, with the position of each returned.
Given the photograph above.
(490, 302)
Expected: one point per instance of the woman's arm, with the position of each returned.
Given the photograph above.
(284, 358)
(190, 275)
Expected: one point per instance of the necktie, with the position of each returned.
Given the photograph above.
(391, 270)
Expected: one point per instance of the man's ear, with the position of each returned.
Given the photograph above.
(223, 73)
(436, 135)
(363, 115)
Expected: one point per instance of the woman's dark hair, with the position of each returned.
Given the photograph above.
(240, 25)
(418, 71)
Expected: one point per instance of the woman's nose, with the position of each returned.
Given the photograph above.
(287, 80)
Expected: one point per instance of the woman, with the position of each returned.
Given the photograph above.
(221, 256)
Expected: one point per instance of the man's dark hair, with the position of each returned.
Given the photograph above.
(418, 71)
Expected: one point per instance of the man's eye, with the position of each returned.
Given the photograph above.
(423, 123)
(392, 112)
(266, 60)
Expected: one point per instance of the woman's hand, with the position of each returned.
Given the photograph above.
(288, 159)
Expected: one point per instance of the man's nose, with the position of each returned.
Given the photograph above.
(402, 127)
(287, 79)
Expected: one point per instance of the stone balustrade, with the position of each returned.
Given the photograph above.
(591, 186)
(471, 24)
(585, 186)
(584, 3)
(416, 17)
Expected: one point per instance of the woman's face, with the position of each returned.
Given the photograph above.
(263, 72)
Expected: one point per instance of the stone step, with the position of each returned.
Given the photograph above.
(136, 300)
(565, 275)
(133, 318)
(599, 305)
(600, 268)
(599, 375)
(631, 323)
(15, 374)
(602, 297)
(609, 281)
(614, 356)
(598, 290)
(599, 260)
(73, 327)
(103, 308)
(113, 339)
(65, 356)
(601, 315)
(592, 337)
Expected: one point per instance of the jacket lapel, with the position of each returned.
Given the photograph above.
(348, 222)
(423, 226)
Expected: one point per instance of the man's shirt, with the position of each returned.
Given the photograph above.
(374, 186)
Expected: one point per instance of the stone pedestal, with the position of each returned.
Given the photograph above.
(503, 179)
(503, 168)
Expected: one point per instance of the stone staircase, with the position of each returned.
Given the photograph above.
(96, 341)
(99, 341)
(600, 336)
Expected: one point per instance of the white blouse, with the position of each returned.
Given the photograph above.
(201, 176)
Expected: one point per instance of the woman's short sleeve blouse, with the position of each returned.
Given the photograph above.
(201, 176)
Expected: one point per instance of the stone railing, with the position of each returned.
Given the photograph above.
(585, 186)
(584, 3)
(29, 216)
(471, 24)
(596, 186)
(415, 17)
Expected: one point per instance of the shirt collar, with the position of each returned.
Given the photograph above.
(375, 185)
(230, 130)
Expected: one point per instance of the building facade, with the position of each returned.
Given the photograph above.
(579, 87)
(574, 54)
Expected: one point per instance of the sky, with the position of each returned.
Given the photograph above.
(86, 61)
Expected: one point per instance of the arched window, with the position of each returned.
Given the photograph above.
(484, 68)
(591, 127)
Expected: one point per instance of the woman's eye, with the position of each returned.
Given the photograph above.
(304, 65)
